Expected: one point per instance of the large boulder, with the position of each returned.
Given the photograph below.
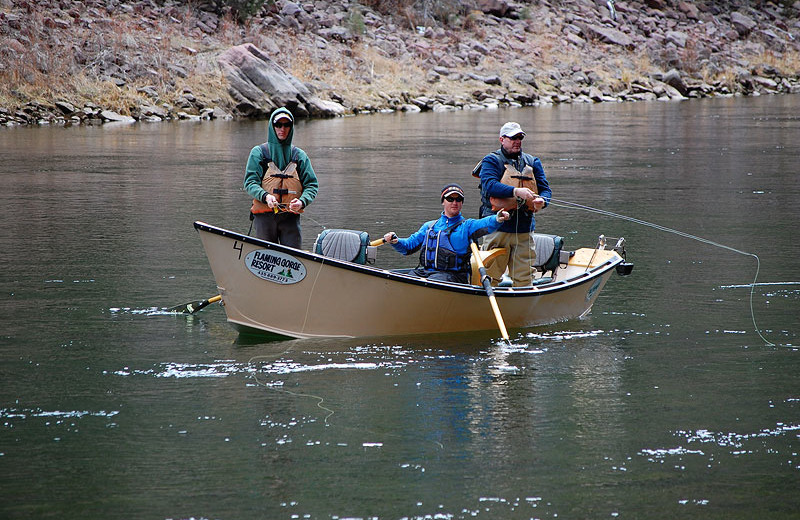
(258, 85)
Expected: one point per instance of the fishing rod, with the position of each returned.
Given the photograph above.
(574, 205)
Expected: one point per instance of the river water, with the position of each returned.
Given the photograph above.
(670, 400)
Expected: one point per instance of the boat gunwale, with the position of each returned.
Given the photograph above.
(500, 292)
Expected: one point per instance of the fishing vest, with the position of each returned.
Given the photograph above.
(438, 252)
(284, 185)
(515, 179)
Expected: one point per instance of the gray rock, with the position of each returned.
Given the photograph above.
(259, 85)
(676, 37)
(186, 116)
(527, 78)
(336, 32)
(607, 34)
(319, 107)
(113, 117)
(742, 23)
(766, 83)
(290, 9)
(149, 91)
(667, 92)
(673, 79)
(499, 8)
(595, 94)
(575, 39)
(65, 107)
(152, 110)
(406, 107)
(220, 113)
(689, 9)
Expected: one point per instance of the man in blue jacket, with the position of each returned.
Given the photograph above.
(444, 243)
(509, 174)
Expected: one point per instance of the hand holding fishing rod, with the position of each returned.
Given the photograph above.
(294, 206)
(525, 194)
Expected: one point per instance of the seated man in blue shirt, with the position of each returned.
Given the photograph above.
(444, 243)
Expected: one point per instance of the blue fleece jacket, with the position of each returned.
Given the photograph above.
(459, 237)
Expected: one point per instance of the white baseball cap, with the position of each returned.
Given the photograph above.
(282, 115)
(511, 129)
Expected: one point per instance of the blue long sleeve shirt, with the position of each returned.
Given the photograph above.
(459, 237)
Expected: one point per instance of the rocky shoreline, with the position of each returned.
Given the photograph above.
(96, 61)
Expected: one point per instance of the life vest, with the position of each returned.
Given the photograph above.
(284, 184)
(437, 251)
(513, 178)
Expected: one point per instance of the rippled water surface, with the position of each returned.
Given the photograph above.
(665, 402)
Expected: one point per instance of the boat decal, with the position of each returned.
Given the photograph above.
(593, 289)
(275, 266)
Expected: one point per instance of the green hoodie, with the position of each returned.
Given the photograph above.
(281, 154)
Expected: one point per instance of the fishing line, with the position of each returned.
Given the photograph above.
(573, 205)
(319, 399)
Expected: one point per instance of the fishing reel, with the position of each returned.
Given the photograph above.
(624, 268)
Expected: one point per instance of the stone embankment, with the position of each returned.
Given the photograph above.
(95, 61)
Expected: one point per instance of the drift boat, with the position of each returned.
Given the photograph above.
(333, 291)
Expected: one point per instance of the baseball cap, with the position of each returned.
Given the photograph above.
(282, 115)
(511, 129)
(450, 189)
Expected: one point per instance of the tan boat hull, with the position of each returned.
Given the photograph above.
(332, 298)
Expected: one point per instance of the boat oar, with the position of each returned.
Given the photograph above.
(192, 307)
(487, 285)
(381, 241)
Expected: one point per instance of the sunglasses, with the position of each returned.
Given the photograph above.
(518, 137)
(454, 199)
(282, 125)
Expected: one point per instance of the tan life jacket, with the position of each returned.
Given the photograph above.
(284, 185)
(516, 179)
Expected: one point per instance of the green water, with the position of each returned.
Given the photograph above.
(663, 403)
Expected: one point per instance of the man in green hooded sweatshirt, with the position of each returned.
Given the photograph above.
(281, 181)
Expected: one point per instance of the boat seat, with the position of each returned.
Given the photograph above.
(490, 262)
(345, 244)
(548, 252)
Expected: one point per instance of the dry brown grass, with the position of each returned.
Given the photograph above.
(50, 69)
(363, 75)
(787, 63)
